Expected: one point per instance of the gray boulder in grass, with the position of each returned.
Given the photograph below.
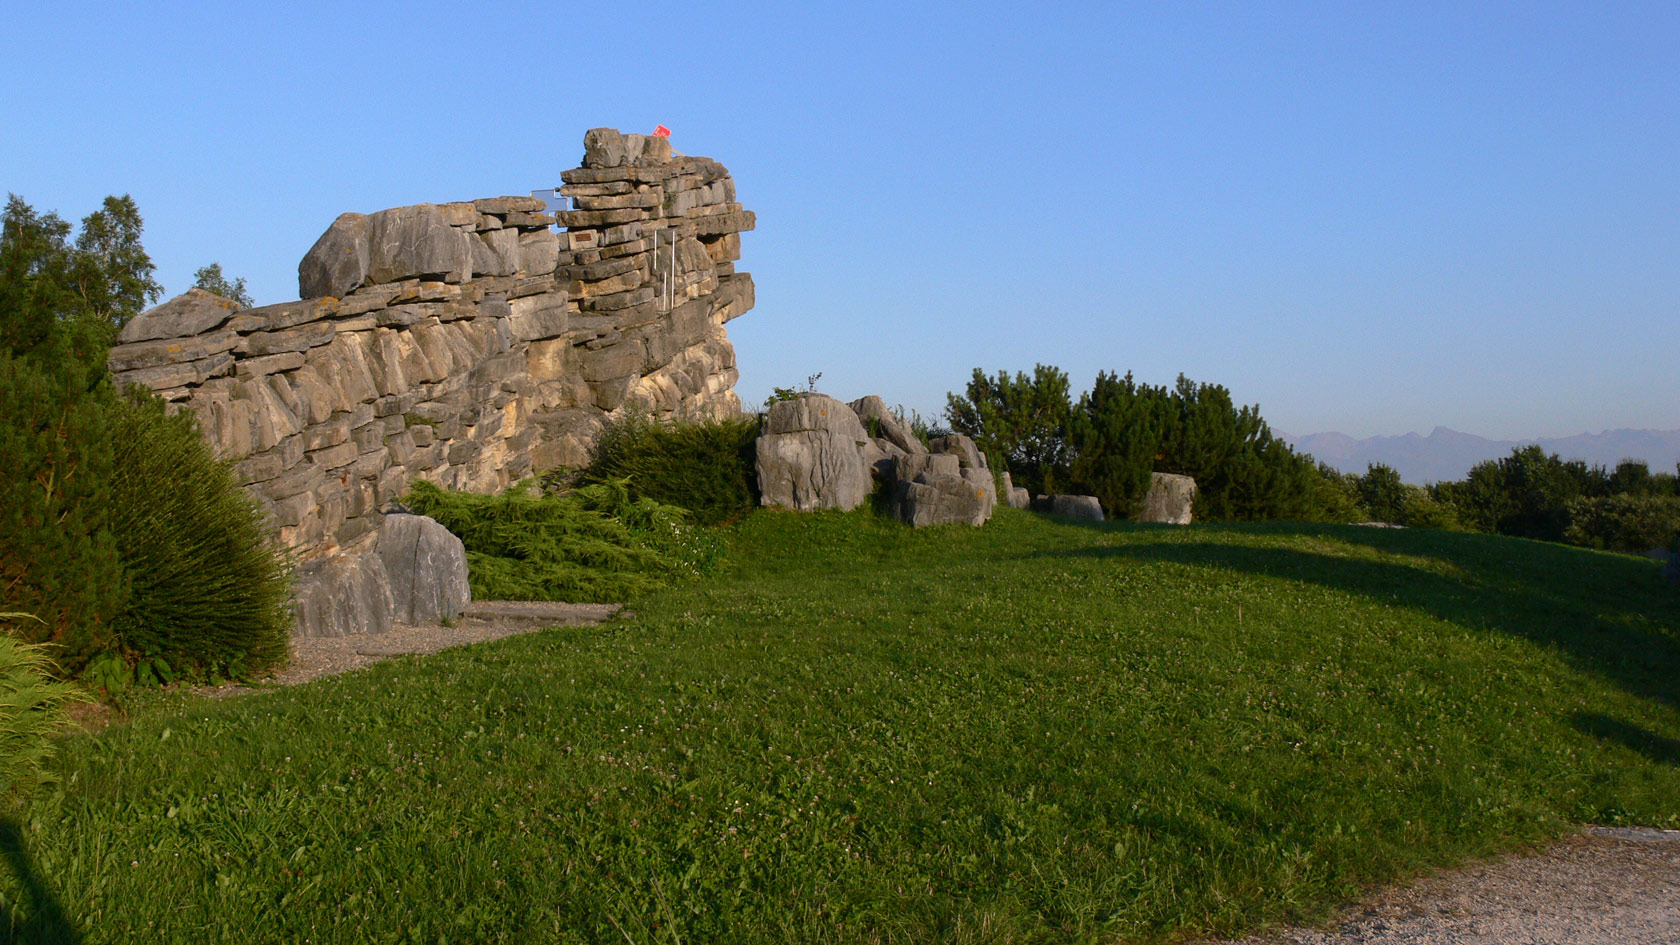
(1169, 499)
(427, 568)
(811, 455)
(1084, 507)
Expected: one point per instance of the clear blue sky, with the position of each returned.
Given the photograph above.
(1366, 218)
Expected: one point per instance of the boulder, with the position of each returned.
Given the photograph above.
(1169, 499)
(941, 500)
(343, 596)
(936, 489)
(811, 455)
(962, 446)
(1085, 507)
(338, 262)
(426, 566)
(192, 312)
(873, 412)
(417, 242)
(603, 147)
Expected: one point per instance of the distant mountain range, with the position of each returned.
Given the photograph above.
(1448, 454)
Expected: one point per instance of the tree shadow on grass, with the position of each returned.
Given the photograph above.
(46, 921)
(1564, 598)
(1634, 737)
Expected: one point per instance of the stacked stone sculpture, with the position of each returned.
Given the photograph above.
(465, 343)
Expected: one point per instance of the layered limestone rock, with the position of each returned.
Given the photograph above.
(950, 484)
(465, 343)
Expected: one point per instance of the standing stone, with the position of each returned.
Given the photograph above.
(811, 455)
(427, 568)
(1169, 500)
(338, 262)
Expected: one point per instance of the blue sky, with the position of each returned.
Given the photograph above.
(1371, 218)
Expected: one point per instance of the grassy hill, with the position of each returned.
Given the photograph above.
(1037, 731)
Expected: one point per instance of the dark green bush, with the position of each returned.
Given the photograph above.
(58, 558)
(595, 544)
(1634, 523)
(209, 592)
(707, 467)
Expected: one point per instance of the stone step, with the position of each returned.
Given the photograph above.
(542, 613)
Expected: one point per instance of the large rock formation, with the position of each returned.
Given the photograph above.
(817, 452)
(465, 343)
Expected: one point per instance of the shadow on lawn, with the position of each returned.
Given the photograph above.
(46, 922)
(1556, 596)
(1633, 737)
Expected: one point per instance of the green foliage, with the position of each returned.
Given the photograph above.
(32, 705)
(210, 279)
(1115, 438)
(1121, 431)
(779, 394)
(61, 304)
(1526, 494)
(208, 588)
(58, 557)
(1021, 423)
(1382, 494)
(1625, 522)
(594, 544)
(707, 467)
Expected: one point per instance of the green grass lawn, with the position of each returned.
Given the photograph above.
(1037, 731)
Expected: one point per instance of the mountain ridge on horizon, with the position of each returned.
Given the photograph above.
(1447, 454)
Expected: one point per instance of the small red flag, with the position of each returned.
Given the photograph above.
(662, 132)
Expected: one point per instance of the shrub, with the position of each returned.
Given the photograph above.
(58, 558)
(593, 544)
(32, 705)
(209, 592)
(707, 467)
(1624, 522)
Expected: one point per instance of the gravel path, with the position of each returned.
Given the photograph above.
(1604, 886)
(314, 657)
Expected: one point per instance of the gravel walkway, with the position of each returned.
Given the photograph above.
(1604, 886)
(314, 657)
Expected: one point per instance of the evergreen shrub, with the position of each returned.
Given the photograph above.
(594, 544)
(707, 467)
(58, 558)
(209, 591)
